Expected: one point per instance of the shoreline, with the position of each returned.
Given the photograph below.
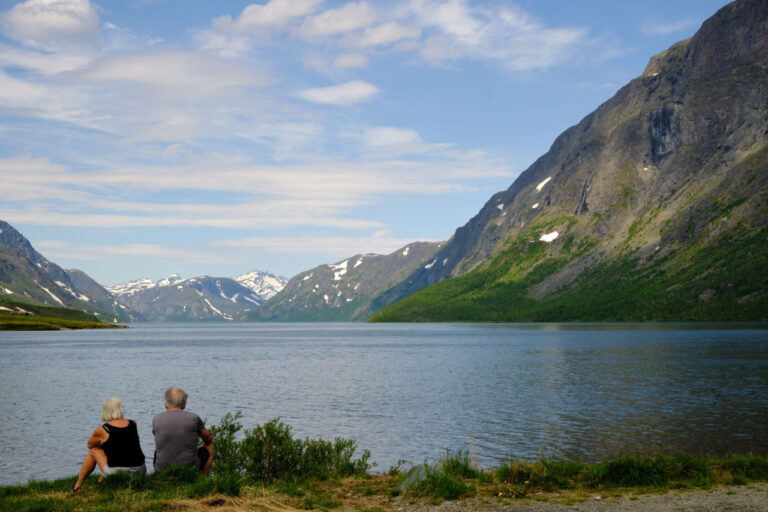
(678, 483)
(359, 495)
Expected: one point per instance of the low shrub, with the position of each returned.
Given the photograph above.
(269, 452)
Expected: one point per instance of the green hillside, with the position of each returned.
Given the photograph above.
(698, 284)
(21, 316)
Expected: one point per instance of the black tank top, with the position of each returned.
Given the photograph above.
(122, 448)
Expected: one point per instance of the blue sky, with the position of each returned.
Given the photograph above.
(147, 137)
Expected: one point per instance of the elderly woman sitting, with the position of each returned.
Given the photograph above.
(114, 446)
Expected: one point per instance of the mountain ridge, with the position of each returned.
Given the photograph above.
(174, 298)
(26, 275)
(345, 290)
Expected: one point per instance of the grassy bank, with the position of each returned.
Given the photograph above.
(19, 316)
(265, 468)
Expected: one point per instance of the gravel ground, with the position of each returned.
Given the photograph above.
(749, 498)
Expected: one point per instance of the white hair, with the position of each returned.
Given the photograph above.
(111, 409)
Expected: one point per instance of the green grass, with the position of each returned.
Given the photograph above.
(117, 492)
(452, 477)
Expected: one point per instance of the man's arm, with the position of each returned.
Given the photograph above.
(206, 437)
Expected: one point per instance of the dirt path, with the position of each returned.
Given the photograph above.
(748, 498)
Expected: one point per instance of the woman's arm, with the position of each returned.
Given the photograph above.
(98, 437)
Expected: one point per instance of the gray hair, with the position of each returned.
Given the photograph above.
(111, 409)
(175, 397)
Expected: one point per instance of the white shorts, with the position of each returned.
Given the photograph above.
(136, 470)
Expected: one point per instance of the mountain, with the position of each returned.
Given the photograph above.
(653, 207)
(198, 298)
(27, 276)
(345, 290)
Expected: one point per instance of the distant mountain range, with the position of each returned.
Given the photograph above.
(197, 298)
(27, 277)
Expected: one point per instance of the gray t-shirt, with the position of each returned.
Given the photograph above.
(176, 434)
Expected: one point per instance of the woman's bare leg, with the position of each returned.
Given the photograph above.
(92, 458)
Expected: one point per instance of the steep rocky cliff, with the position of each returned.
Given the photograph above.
(652, 207)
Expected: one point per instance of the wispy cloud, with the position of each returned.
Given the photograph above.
(505, 34)
(343, 20)
(242, 194)
(274, 14)
(350, 60)
(382, 35)
(355, 91)
(379, 242)
(191, 74)
(660, 28)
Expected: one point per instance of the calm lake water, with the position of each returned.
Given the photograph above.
(403, 391)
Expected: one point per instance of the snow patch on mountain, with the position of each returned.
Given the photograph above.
(263, 284)
(49, 292)
(339, 270)
(130, 287)
(549, 237)
(541, 185)
(171, 279)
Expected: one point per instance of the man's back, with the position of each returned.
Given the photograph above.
(176, 433)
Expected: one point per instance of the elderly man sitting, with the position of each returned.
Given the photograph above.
(176, 432)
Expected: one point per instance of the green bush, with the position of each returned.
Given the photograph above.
(269, 452)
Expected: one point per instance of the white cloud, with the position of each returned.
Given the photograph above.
(43, 63)
(379, 242)
(388, 136)
(506, 34)
(190, 74)
(384, 34)
(286, 141)
(52, 24)
(273, 14)
(15, 93)
(317, 63)
(355, 91)
(243, 194)
(225, 43)
(205, 254)
(652, 28)
(350, 60)
(390, 142)
(345, 19)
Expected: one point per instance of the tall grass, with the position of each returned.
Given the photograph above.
(444, 479)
